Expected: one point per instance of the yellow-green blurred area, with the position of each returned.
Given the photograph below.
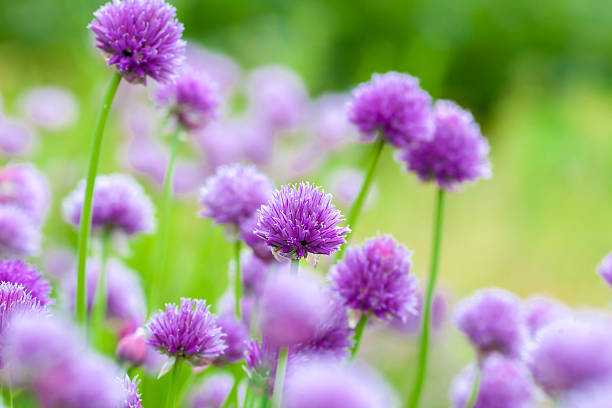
(536, 75)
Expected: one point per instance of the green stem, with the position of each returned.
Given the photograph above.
(99, 311)
(233, 394)
(355, 210)
(264, 400)
(431, 284)
(279, 380)
(238, 279)
(85, 224)
(358, 334)
(247, 398)
(162, 238)
(10, 392)
(475, 387)
(295, 266)
(171, 398)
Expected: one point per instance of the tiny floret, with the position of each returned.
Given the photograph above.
(142, 38)
(374, 278)
(456, 154)
(395, 105)
(187, 331)
(301, 220)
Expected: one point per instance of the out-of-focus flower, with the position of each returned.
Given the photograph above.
(329, 122)
(277, 96)
(258, 245)
(58, 261)
(458, 152)
(395, 105)
(571, 353)
(125, 301)
(505, 383)
(325, 384)
(212, 392)
(24, 187)
(299, 220)
(17, 272)
(260, 367)
(236, 337)
(220, 143)
(19, 236)
(413, 323)
(132, 349)
(604, 269)
(374, 278)
(53, 108)
(595, 395)
(16, 137)
(234, 194)
(47, 356)
(119, 203)
(187, 331)
(292, 307)
(192, 100)
(254, 274)
(346, 184)
(131, 395)
(540, 311)
(142, 38)
(220, 67)
(492, 319)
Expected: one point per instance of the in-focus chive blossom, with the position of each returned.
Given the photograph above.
(20, 273)
(493, 320)
(300, 220)
(505, 383)
(374, 280)
(192, 100)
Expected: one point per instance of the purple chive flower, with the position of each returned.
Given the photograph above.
(505, 383)
(291, 309)
(258, 245)
(192, 99)
(333, 337)
(51, 107)
(413, 323)
(254, 274)
(16, 137)
(125, 300)
(604, 269)
(299, 220)
(130, 389)
(595, 395)
(119, 203)
(19, 236)
(220, 67)
(234, 194)
(346, 184)
(457, 153)
(132, 349)
(571, 353)
(395, 105)
(325, 384)
(14, 299)
(329, 122)
(46, 356)
(541, 311)
(23, 186)
(17, 272)
(212, 392)
(374, 278)
(277, 96)
(187, 331)
(236, 337)
(492, 319)
(260, 367)
(142, 38)
(58, 261)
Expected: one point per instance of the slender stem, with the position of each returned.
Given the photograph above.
(264, 400)
(295, 266)
(279, 380)
(10, 398)
(85, 224)
(162, 238)
(247, 398)
(355, 210)
(358, 334)
(233, 394)
(475, 387)
(99, 311)
(238, 279)
(171, 398)
(431, 284)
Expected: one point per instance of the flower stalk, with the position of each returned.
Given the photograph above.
(358, 334)
(238, 279)
(279, 380)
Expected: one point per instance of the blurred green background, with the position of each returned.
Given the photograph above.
(537, 76)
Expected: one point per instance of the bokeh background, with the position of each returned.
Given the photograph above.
(536, 75)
